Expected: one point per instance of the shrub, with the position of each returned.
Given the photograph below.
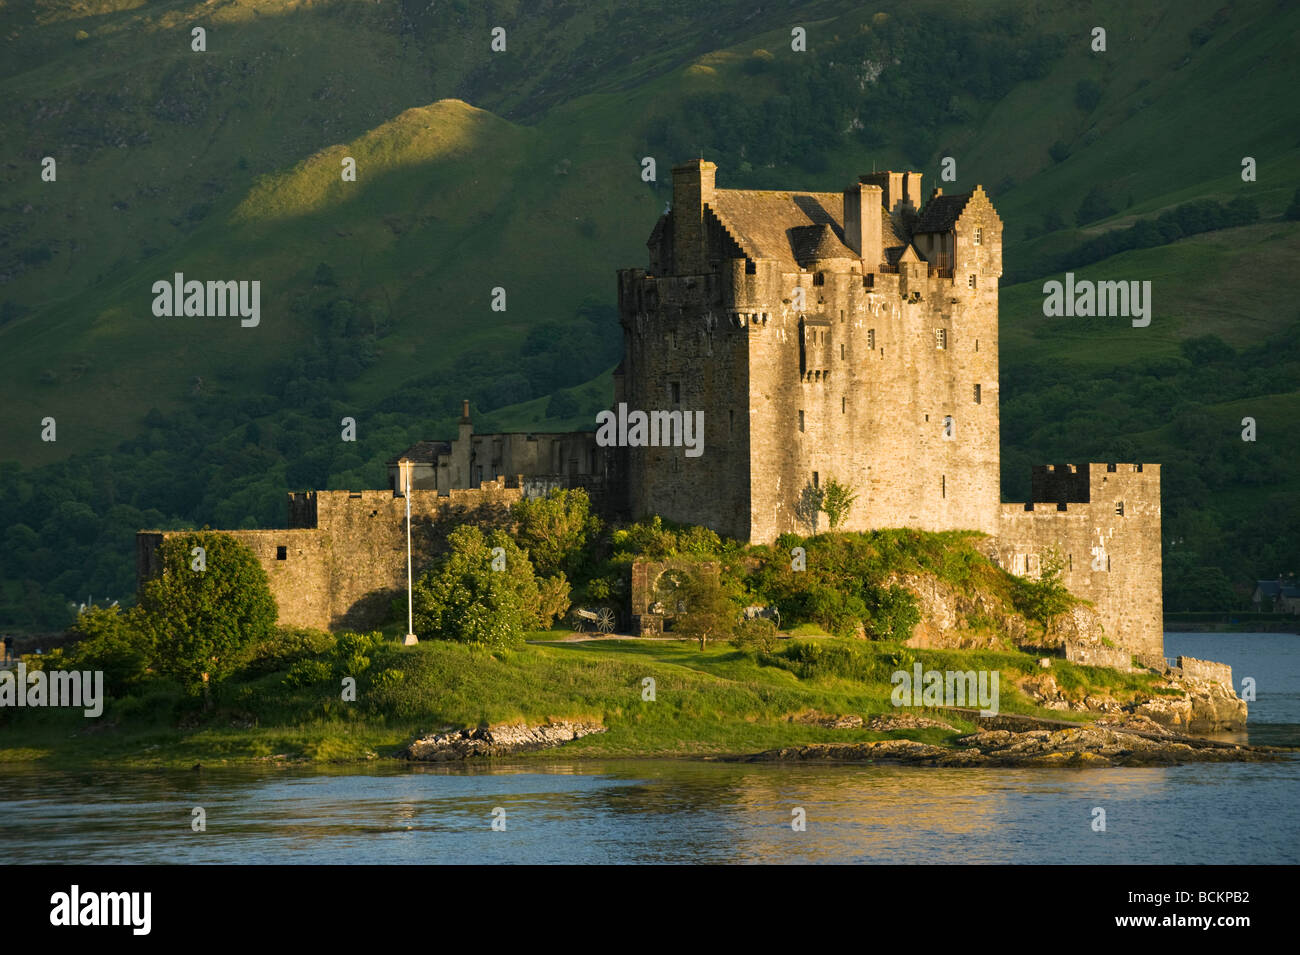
(757, 634)
(202, 621)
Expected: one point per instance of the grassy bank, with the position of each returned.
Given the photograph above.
(715, 701)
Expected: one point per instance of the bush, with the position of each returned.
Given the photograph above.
(757, 634)
(201, 622)
(308, 673)
(463, 598)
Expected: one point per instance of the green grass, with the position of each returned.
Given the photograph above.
(708, 703)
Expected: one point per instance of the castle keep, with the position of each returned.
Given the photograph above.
(824, 335)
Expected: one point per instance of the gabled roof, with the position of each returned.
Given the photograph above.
(1271, 588)
(941, 213)
(785, 226)
(812, 242)
(424, 452)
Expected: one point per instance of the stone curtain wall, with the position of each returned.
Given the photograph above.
(1126, 591)
(346, 571)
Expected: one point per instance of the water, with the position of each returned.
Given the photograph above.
(665, 811)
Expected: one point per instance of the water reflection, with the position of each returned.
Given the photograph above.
(656, 811)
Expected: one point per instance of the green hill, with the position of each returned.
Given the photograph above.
(521, 170)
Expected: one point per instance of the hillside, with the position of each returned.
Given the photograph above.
(521, 170)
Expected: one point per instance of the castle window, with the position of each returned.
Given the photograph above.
(941, 338)
(677, 392)
(970, 281)
(751, 267)
(816, 482)
(282, 553)
(1137, 468)
(943, 485)
(977, 395)
(800, 420)
(1112, 468)
(871, 339)
(672, 337)
(1119, 508)
(844, 405)
(979, 236)
(819, 278)
(1069, 562)
(731, 422)
(841, 351)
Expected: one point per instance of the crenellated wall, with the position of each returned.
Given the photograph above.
(342, 560)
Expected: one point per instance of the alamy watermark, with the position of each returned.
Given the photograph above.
(78, 688)
(1085, 298)
(656, 429)
(924, 687)
(194, 299)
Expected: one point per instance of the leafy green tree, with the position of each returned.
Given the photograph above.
(477, 594)
(837, 499)
(555, 529)
(113, 642)
(710, 614)
(200, 621)
(1046, 598)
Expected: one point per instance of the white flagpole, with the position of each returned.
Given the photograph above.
(410, 601)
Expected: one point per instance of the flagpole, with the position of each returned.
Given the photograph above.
(410, 601)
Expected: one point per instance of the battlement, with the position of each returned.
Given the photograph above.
(1065, 484)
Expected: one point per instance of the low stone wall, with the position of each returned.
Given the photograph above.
(1206, 670)
(1098, 655)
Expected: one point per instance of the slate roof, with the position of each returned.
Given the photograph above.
(941, 213)
(1271, 588)
(786, 226)
(424, 452)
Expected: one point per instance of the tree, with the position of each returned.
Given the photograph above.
(554, 529)
(1046, 598)
(112, 642)
(478, 594)
(1094, 206)
(710, 612)
(1087, 94)
(199, 620)
(837, 499)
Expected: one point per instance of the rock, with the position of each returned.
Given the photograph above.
(905, 721)
(1045, 662)
(502, 740)
(814, 718)
(1085, 745)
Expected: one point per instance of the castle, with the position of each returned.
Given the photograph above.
(849, 336)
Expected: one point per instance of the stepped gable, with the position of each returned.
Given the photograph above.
(941, 212)
(787, 226)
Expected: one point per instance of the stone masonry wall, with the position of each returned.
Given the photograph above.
(345, 571)
(1112, 559)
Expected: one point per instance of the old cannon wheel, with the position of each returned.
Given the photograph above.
(605, 620)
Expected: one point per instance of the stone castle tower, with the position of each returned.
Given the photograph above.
(851, 336)
(854, 336)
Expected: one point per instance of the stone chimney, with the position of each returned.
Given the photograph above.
(898, 187)
(692, 190)
(862, 228)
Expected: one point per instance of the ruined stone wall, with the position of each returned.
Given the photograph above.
(1112, 559)
(345, 571)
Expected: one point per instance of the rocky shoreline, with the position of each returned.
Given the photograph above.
(1081, 746)
(504, 740)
